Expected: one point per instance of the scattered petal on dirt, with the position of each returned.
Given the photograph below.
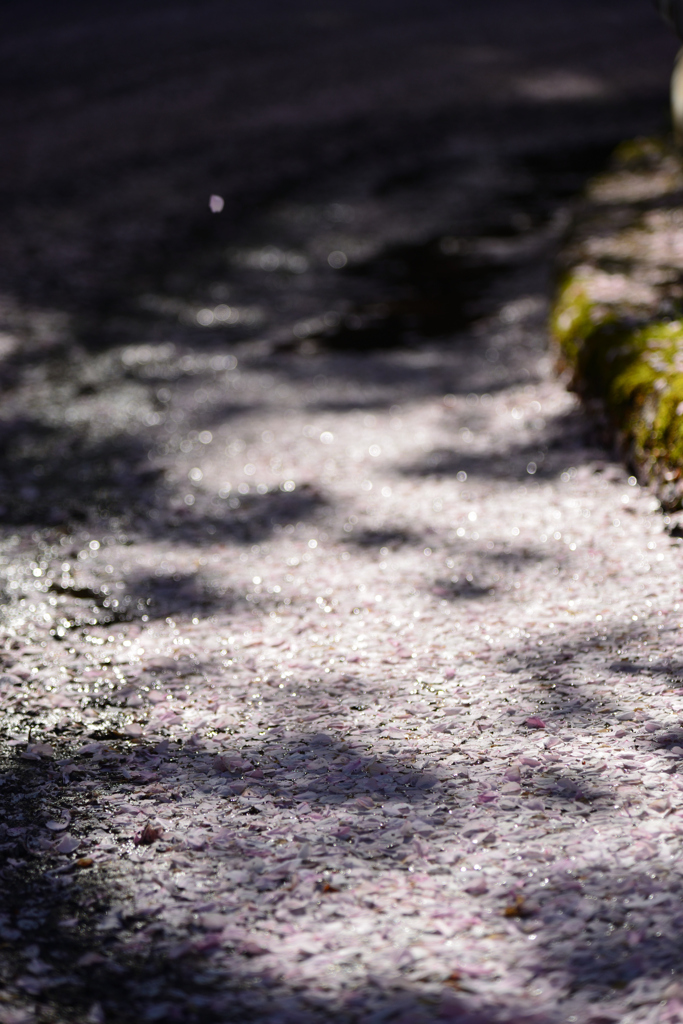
(148, 835)
(67, 844)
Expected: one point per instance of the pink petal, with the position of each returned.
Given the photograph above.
(68, 844)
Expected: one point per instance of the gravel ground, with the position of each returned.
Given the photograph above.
(341, 661)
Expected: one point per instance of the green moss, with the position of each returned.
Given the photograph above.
(619, 352)
(649, 364)
(593, 344)
(668, 425)
(572, 318)
(636, 372)
(649, 393)
(642, 151)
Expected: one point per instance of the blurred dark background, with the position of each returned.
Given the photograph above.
(117, 125)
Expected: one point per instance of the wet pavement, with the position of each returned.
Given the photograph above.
(341, 657)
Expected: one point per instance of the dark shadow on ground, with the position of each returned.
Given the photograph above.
(483, 573)
(59, 476)
(516, 557)
(570, 435)
(549, 668)
(456, 588)
(606, 936)
(74, 462)
(391, 537)
(51, 475)
(438, 287)
(154, 596)
(74, 937)
(213, 415)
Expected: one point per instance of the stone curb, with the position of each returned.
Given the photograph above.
(617, 317)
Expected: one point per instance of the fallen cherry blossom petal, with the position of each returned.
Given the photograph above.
(149, 834)
(67, 844)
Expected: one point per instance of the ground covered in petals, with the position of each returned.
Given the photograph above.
(340, 664)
